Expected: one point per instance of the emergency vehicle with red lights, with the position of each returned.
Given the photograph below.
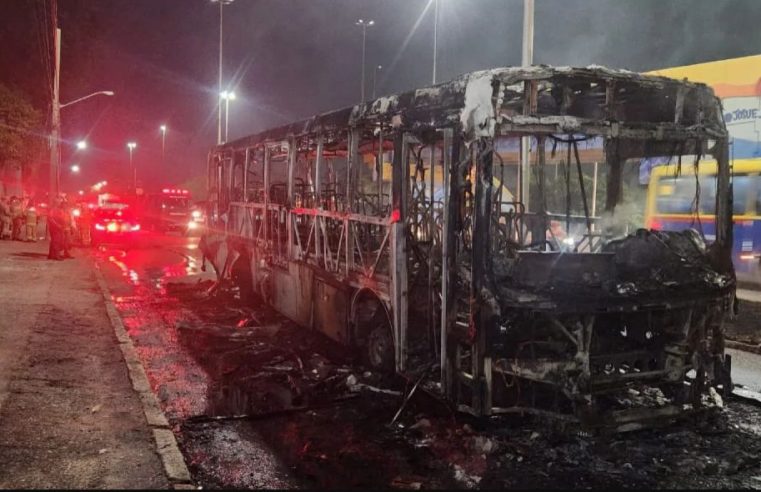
(170, 210)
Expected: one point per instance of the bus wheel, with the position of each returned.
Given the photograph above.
(380, 349)
(242, 278)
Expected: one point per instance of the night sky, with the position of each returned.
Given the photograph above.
(290, 59)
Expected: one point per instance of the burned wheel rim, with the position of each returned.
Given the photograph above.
(380, 349)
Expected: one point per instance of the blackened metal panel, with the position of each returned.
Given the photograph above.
(398, 257)
(481, 295)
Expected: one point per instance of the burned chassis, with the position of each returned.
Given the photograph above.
(515, 329)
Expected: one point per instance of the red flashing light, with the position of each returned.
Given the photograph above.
(654, 225)
(396, 215)
(175, 191)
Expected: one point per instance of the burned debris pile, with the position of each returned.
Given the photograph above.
(647, 266)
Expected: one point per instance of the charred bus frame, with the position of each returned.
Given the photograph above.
(383, 226)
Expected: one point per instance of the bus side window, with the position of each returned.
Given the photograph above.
(757, 195)
(676, 195)
(708, 194)
(740, 186)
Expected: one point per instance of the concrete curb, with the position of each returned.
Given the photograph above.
(166, 445)
(745, 347)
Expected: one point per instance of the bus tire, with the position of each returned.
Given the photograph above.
(372, 332)
(379, 352)
(242, 278)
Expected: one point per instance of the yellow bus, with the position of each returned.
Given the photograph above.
(680, 200)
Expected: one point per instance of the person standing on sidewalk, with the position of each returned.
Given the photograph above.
(55, 227)
(5, 217)
(17, 218)
(31, 221)
(68, 228)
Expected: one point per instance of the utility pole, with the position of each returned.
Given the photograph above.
(55, 133)
(527, 59)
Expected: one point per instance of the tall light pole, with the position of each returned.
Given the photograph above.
(364, 25)
(435, 36)
(227, 96)
(162, 128)
(131, 146)
(527, 58)
(375, 76)
(221, 3)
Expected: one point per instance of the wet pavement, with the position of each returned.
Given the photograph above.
(256, 402)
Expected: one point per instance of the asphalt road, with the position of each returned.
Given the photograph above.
(746, 369)
(338, 448)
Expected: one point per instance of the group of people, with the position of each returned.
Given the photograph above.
(18, 222)
(18, 219)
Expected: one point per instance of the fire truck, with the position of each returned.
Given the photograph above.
(171, 210)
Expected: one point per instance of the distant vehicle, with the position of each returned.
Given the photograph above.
(114, 225)
(197, 224)
(169, 211)
(678, 201)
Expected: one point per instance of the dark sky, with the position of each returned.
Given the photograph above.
(288, 59)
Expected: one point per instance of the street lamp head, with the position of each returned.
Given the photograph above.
(231, 96)
(131, 145)
(380, 67)
(370, 23)
(108, 93)
(163, 128)
(75, 168)
(81, 145)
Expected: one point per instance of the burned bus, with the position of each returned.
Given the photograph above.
(398, 226)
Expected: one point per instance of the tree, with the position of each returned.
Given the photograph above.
(21, 136)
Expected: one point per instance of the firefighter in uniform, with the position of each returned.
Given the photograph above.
(5, 217)
(55, 226)
(84, 223)
(31, 222)
(17, 218)
(68, 228)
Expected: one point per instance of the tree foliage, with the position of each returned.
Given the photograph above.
(21, 135)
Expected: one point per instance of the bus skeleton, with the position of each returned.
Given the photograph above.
(383, 226)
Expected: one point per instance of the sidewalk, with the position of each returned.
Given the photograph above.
(69, 417)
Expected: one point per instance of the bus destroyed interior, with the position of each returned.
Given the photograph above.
(398, 226)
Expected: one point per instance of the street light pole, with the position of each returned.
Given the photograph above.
(222, 3)
(227, 96)
(527, 58)
(163, 143)
(55, 119)
(375, 76)
(435, 36)
(131, 146)
(364, 24)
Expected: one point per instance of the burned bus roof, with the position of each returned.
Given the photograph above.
(565, 97)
